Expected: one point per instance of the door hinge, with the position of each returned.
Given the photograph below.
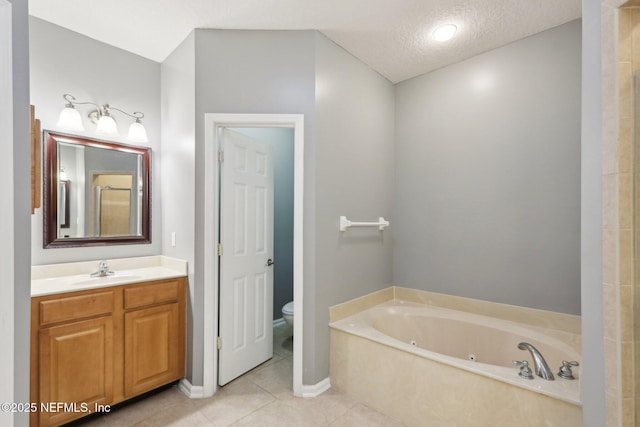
(218, 343)
(220, 156)
(219, 249)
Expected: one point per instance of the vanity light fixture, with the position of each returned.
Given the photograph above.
(70, 119)
(105, 124)
(137, 132)
(444, 32)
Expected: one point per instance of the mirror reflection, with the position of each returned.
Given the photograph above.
(97, 192)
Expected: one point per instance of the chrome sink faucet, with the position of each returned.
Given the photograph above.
(540, 365)
(103, 270)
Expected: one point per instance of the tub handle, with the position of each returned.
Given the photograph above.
(565, 370)
(525, 370)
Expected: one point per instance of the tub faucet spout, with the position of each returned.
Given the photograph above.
(540, 365)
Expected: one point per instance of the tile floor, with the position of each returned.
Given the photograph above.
(261, 397)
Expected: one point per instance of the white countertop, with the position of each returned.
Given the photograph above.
(72, 277)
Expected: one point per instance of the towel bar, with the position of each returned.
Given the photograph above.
(345, 223)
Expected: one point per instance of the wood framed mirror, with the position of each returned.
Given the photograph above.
(95, 192)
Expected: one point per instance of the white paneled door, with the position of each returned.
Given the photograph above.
(246, 260)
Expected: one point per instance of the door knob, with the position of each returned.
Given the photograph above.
(270, 262)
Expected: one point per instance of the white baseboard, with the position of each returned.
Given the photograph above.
(189, 390)
(317, 389)
(278, 322)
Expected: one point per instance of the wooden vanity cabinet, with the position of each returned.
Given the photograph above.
(154, 335)
(75, 341)
(103, 346)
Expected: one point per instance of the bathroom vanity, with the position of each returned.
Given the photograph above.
(98, 341)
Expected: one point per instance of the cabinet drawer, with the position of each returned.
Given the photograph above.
(150, 294)
(75, 307)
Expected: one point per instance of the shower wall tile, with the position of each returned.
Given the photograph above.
(620, 3)
(612, 409)
(633, 15)
(626, 356)
(610, 122)
(610, 255)
(625, 101)
(625, 242)
(628, 412)
(619, 233)
(625, 201)
(628, 289)
(611, 368)
(625, 145)
(617, 102)
(611, 308)
(610, 201)
(625, 39)
(626, 314)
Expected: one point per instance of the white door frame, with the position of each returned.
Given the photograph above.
(212, 123)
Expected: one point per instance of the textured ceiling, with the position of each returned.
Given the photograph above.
(391, 36)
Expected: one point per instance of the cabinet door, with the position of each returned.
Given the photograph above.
(153, 345)
(76, 368)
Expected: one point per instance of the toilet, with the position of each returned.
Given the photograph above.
(287, 313)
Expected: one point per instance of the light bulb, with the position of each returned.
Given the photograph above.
(70, 119)
(107, 126)
(137, 132)
(445, 32)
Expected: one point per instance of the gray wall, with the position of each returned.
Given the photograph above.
(177, 203)
(291, 72)
(254, 72)
(260, 72)
(354, 177)
(487, 201)
(593, 368)
(62, 62)
(281, 142)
